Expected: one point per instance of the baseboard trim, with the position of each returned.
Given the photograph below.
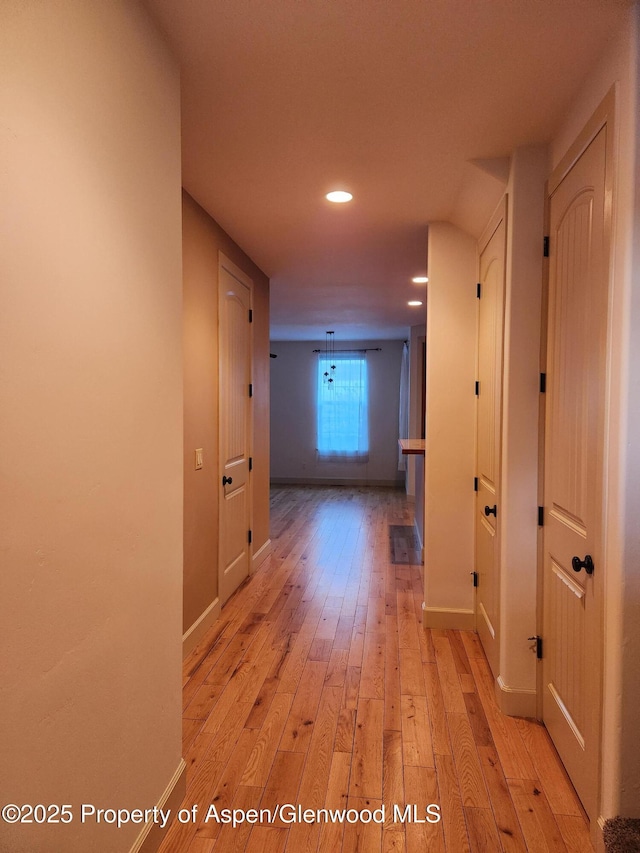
(196, 632)
(597, 834)
(334, 481)
(515, 702)
(448, 618)
(260, 556)
(151, 835)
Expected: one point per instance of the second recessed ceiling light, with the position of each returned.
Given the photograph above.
(338, 196)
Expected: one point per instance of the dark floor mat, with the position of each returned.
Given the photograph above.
(403, 545)
(622, 835)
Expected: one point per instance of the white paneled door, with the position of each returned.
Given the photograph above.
(234, 426)
(489, 428)
(573, 484)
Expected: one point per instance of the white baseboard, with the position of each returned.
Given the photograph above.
(515, 702)
(151, 835)
(448, 618)
(194, 634)
(260, 556)
(597, 834)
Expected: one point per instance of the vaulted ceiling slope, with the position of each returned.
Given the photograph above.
(393, 100)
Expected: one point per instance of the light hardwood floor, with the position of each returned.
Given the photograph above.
(318, 686)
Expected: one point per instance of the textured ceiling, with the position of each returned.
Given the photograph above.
(394, 100)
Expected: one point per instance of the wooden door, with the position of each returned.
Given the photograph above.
(489, 431)
(234, 337)
(573, 483)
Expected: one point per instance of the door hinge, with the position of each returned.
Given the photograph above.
(251, 315)
(479, 290)
(477, 389)
(545, 247)
(543, 383)
(475, 578)
(538, 642)
(250, 390)
(540, 516)
(251, 463)
(475, 484)
(249, 537)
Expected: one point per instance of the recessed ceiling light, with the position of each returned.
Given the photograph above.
(338, 196)
(414, 302)
(420, 279)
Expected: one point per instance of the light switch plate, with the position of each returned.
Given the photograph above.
(198, 458)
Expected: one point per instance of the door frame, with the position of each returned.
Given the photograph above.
(224, 262)
(602, 118)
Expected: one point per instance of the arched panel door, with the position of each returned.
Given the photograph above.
(573, 479)
(489, 434)
(234, 331)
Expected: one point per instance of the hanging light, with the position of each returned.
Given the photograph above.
(329, 355)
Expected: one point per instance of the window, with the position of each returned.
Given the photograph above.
(343, 423)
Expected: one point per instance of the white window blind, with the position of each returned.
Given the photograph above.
(343, 410)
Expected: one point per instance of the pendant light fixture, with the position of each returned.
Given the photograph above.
(329, 355)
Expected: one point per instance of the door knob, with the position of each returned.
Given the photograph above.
(226, 480)
(491, 510)
(586, 564)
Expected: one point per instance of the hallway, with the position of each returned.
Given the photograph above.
(318, 687)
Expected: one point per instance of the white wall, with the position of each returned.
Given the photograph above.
(293, 415)
(91, 423)
(202, 241)
(450, 440)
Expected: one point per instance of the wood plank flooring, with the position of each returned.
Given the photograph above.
(319, 687)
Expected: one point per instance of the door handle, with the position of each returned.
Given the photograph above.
(586, 564)
(226, 480)
(491, 510)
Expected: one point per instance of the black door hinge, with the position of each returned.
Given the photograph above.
(475, 484)
(251, 390)
(249, 537)
(475, 578)
(477, 389)
(479, 290)
(251, 315)
(545, 247)
(540, 516)
(538, 642)
(543, 383)
(251, 463)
